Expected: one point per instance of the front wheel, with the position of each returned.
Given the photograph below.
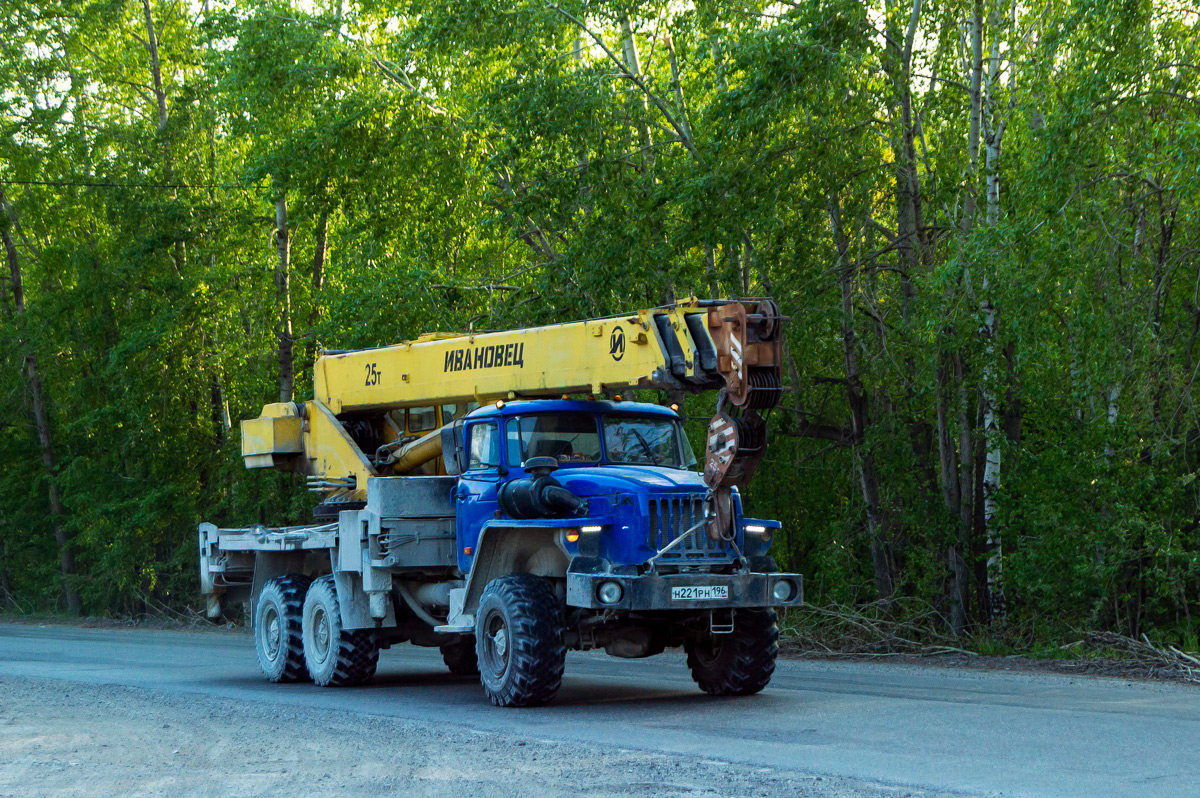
(519, 641)
(335, 657)
(738, 663)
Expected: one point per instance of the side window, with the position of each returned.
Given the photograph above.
(517, 427)
(451, 412)
(422, 419)
(483, 446)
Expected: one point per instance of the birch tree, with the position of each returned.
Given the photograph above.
(41, 418)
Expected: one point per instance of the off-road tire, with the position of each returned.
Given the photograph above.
(526, 668)
(335, 657)
(460, 657)
(277, 637)
(738, 663)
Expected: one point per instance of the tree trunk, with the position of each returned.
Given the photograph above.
(764, 276)
(633, 63)
(66, 557)
(909, 223)
(951, 497)
(947, 456)
(178, 249)
(956, 467)
(911, 236)
(320, 253)
(976, 111)
(991, 469)
(994, 125)
(710, 272)
(1014, 405)
(966, 460)
(881, 553)
(287, 374)
(584, 161)
(160, 96)
(685, 123)
(220, 407)
(222, 423)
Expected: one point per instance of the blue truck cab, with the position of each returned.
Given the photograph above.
(602, 500)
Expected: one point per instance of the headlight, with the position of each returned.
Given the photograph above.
(609, 592)
(783, 591)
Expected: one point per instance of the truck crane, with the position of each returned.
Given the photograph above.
(479, 494)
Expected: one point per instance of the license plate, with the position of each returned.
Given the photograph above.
(699, 592)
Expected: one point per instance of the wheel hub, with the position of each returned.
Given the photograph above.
(272, 633)
(500, 639)
(321, 634)
(495, 645)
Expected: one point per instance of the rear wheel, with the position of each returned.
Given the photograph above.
(460, 658)
(519, 642)
(277, 635)
(335, 657)
(738, 663)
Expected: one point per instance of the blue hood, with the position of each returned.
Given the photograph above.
(607, 479)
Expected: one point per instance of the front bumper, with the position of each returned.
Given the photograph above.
(653, 591)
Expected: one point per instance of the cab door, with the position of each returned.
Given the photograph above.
(475, 497)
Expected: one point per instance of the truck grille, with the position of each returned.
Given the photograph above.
(673, 514)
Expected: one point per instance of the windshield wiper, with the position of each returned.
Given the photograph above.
(649, 453)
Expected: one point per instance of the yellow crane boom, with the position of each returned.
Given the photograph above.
(693, 345)
(653, 348)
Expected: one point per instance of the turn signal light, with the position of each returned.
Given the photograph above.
(573, 536)
(617, 398)
(467, 550)
(499, 403)
(675, 408)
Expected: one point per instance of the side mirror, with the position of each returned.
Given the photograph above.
(453, 454)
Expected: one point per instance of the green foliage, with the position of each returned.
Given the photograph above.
(482, 166)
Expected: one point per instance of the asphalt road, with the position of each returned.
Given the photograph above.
(969, 732)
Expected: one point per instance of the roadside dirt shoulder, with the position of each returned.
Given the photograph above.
(64, 739)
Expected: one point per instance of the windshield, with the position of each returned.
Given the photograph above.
(567, 437)
(575, 438)
(644, 441)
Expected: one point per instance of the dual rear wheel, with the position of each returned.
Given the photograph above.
(277, 634)
(298, 635)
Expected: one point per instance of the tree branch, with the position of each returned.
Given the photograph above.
(684, 138)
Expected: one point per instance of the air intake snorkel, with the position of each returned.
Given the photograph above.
(539, 495)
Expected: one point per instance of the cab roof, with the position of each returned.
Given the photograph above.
(519, 407)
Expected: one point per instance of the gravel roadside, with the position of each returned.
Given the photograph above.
(65, 739)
